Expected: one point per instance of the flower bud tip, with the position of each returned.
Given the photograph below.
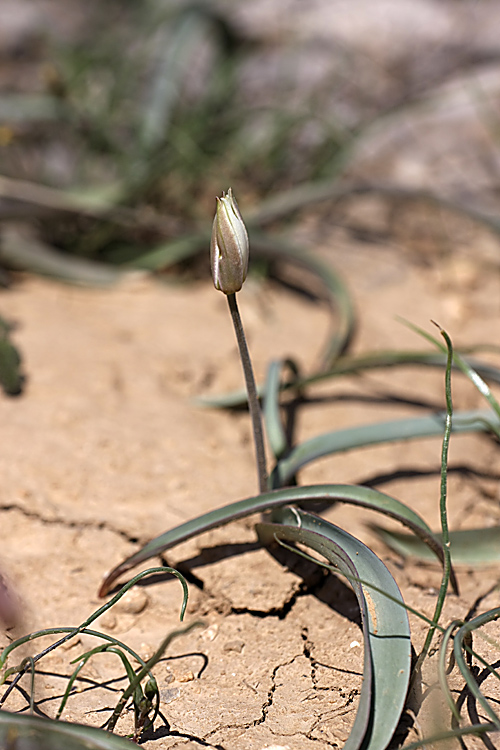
(228, 246)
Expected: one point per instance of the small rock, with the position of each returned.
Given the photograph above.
(133, 602)
(186, 677)
(108, 621)
(210, 634)
(146, 650)
(169, 694)
(235, 645)
(71, 643)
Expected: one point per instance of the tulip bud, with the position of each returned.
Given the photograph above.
(228, 246)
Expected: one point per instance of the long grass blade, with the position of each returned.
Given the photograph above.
(31, 254)
(374, 434)
(146, 668)
(360, 496)
(442, 669)
(476, 730)
(462, 364)
(347, 365)
(458, 646)
(443, 510)
(70, 634)
(311, 193)
(177, 49)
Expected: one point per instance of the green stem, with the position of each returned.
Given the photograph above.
(253, 399)
(442, 505)
(148, 666)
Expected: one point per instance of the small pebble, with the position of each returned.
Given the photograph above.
(146, 651)
(235, 645)
(210, 634)
(108, 621)
(187, 677)
(71, 643)
(169, 694)
(133, 602)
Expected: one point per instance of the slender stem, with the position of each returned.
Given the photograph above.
(139, 676)
(253, 399)
(443, 511)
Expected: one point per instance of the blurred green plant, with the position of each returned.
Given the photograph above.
(148, 110)
(11, 379)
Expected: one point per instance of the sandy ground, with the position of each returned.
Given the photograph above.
(106, 448)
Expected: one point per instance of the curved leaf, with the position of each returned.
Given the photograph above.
(467, 546)
(386, 631)
(24, 732)
(275, 432)
(462, 364)
(348, 365)
(381, 432)
(458, 644)
(362, 496)
(339, 298)
(29, 253)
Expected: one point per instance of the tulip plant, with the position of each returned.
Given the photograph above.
(229, 261)
(387, 641)
(388, 669)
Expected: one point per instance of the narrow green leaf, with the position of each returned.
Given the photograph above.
(468, 546)
(177, 51)
(476, 730)
(33, 255)
(348, 365)
(374, 434)
(311, 193)
(462, 364)
(442, 668)
(339, 298)
(34, 733)
(361, 496)
(75, 631)
(387, 657)
(458, 646)
(141, 674)
(443, 511)
(275, 431)
(169, 253)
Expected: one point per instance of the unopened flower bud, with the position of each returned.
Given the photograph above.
(228, 246)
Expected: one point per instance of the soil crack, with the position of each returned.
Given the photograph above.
(279, 612)
(58, 521)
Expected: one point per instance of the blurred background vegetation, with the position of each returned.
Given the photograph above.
(120, 121)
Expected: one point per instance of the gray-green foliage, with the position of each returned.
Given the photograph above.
(374, 725)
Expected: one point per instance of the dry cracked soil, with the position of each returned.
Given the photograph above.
(106, 448)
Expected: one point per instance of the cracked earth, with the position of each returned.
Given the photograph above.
(106, 448)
